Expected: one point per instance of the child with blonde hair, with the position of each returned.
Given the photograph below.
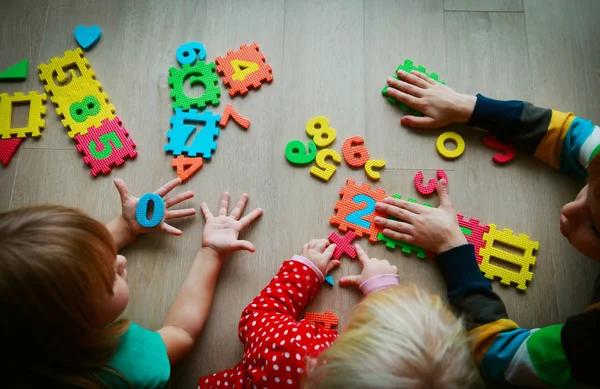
(397, 336)
(63, 287)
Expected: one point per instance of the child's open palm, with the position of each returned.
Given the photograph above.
(221, 232)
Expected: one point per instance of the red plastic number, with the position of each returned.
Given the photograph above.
(493, 143)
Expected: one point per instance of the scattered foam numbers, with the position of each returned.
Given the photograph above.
(430, 187)
(244, 69)
(318, 128)
(296, 152)
(87, 37)
(493, 143)
(200, 72)
(374, 163)
(328, 319)
(329, 280)
(457, 139)
(16, 72)
(228, 112)
(142, 210)
(35, 121)
(181, 162)
(354, 154)
(204, 141)
(351, 208)
(524, 262)
(8, 148)
(323, 169)
(343, 244)
(188, 53)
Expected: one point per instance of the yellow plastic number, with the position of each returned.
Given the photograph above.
(441, 148)
(324, 169)
(372, 163)
(319, 129)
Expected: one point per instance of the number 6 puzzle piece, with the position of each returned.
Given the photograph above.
(106, 146)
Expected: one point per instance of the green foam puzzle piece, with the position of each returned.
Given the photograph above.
(408, 66)
(16, 72)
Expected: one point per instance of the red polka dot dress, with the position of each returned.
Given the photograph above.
(276, 344)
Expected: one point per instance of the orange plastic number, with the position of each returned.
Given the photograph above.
(319, 129)
(354, 154)
(324, 169)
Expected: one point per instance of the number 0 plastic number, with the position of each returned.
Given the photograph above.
(296, 153)
(142, 209)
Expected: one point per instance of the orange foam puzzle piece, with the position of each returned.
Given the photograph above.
(229, 111)
(182, 162)
(243, 69)
(328, 319)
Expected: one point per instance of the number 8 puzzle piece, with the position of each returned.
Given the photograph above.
(243, 69)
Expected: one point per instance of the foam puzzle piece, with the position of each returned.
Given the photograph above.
(69, 89)
(352, 214)
(343, 244)
(181, 162)
(239, 74)
(354, 154)
(200, 72)
(374, 163)
(325, 170)
(409, 66)
(473, 231)
(229, 111)
(204, 140)
(328, 319)
(35, 121)
(451, 154)
(16, 72)
(428, 189)
(329, 280)
(8, 148)
(157, 214)
(189, 52)
(87, 37)
(296, 153)
(493, 143)
(525, 261)
(106, 146)
(318, 128)
(407, 248)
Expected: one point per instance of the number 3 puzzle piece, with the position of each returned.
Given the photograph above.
(430, 187)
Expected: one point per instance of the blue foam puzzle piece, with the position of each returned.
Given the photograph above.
(204, 140)
(86, 36)
(329, 280)
(157, 215)
(187, 53)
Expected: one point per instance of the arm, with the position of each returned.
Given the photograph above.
(187, 316)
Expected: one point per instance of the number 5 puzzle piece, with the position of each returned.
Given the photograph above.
(35, 121)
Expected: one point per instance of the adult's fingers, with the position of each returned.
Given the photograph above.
(249, 218)
(419, 121)
(395, 211)
(179, 213)
(169, 186)
(402, 97)
(442, 190)
(178, 198)
(424, 77)
(405, 87)
(224, 204)
(402, 204)
(396, 225)
(397, 235)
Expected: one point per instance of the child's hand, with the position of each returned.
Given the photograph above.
(371, 267)
(221, 232)
(129, 204)
(439, 104)
(319, 252)
(435, 229)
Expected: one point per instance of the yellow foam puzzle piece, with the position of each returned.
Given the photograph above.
(372, 163)
(441, 148)
(248, 68)
(35, 121)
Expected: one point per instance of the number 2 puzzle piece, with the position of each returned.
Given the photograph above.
(182, 162)
(430, 187)
(525, 261)
(474, 232)
(356, 210)
(204, 141)
(243, 69)
(407, 248)
(8, 148)
(343, 244)
(328, 319)
(106, 146)
(35, 121)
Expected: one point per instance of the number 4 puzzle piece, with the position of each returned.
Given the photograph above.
(328, 319)
(239, 119)
(182, 162)
(243, 69)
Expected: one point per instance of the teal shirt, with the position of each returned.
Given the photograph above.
(142, 359)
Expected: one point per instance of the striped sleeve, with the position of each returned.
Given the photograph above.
(562, 140)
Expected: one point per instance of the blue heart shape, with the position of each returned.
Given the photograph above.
(87, 37)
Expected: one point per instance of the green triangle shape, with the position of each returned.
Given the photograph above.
(16, 72)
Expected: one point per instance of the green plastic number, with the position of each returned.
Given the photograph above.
(295, 152)
(108, 148)
(80, 111)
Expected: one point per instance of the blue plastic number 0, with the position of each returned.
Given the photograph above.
(356, 217)
(187, 53)
(142, 209)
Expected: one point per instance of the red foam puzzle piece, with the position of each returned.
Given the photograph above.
(239, 82)
(493, 143)
(477, 231)
(105, 146)
(8, 148)
(181, 162)
(239, 119)
(343, 244)
(328, 319)
(430, 187)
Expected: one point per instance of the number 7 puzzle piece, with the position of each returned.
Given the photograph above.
(243, 69)
(106, 146)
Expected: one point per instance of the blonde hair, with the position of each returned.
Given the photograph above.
(400, 337)
(56, 264)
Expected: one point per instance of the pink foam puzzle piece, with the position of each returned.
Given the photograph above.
(8, 148)
(343, 244)
(428, 189)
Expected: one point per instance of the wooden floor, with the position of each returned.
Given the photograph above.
(329, 58)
